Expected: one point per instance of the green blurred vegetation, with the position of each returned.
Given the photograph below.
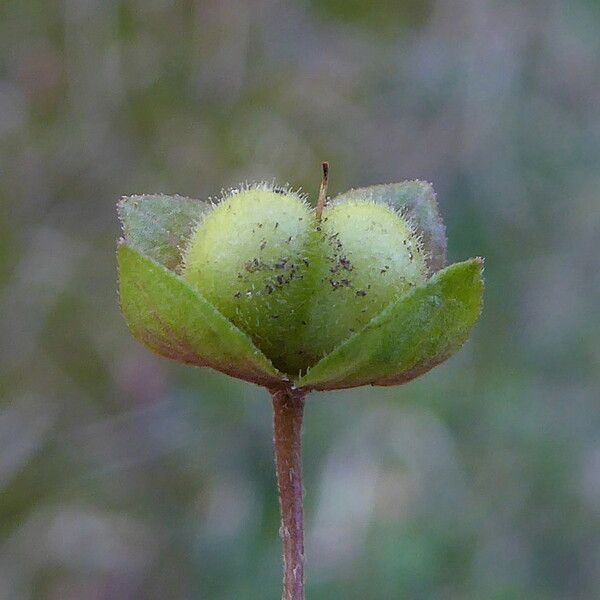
(125, 476)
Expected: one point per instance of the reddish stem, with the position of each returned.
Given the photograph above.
(288, 410)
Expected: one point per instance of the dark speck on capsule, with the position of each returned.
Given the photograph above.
(346, 264)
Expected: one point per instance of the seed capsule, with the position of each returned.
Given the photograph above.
(369, 244)
(298, 286)
(261, 234)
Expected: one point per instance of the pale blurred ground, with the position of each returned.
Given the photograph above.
(125, 476)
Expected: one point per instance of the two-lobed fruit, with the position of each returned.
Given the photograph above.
(296, 284)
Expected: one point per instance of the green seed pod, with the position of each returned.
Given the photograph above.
(298, 288)
(262, 287)
(248, 258)
(368, 255)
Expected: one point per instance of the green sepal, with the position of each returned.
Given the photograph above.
(417, 202)
(409, 337)
(172, 319)
(158, 226)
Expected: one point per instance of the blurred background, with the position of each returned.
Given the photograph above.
(126, 476)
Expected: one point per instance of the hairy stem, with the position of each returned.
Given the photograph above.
(288, 409)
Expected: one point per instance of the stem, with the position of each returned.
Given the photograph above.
(288, 409)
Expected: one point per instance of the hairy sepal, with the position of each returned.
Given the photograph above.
(174, 320)
(158, 225)
(409, 337)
